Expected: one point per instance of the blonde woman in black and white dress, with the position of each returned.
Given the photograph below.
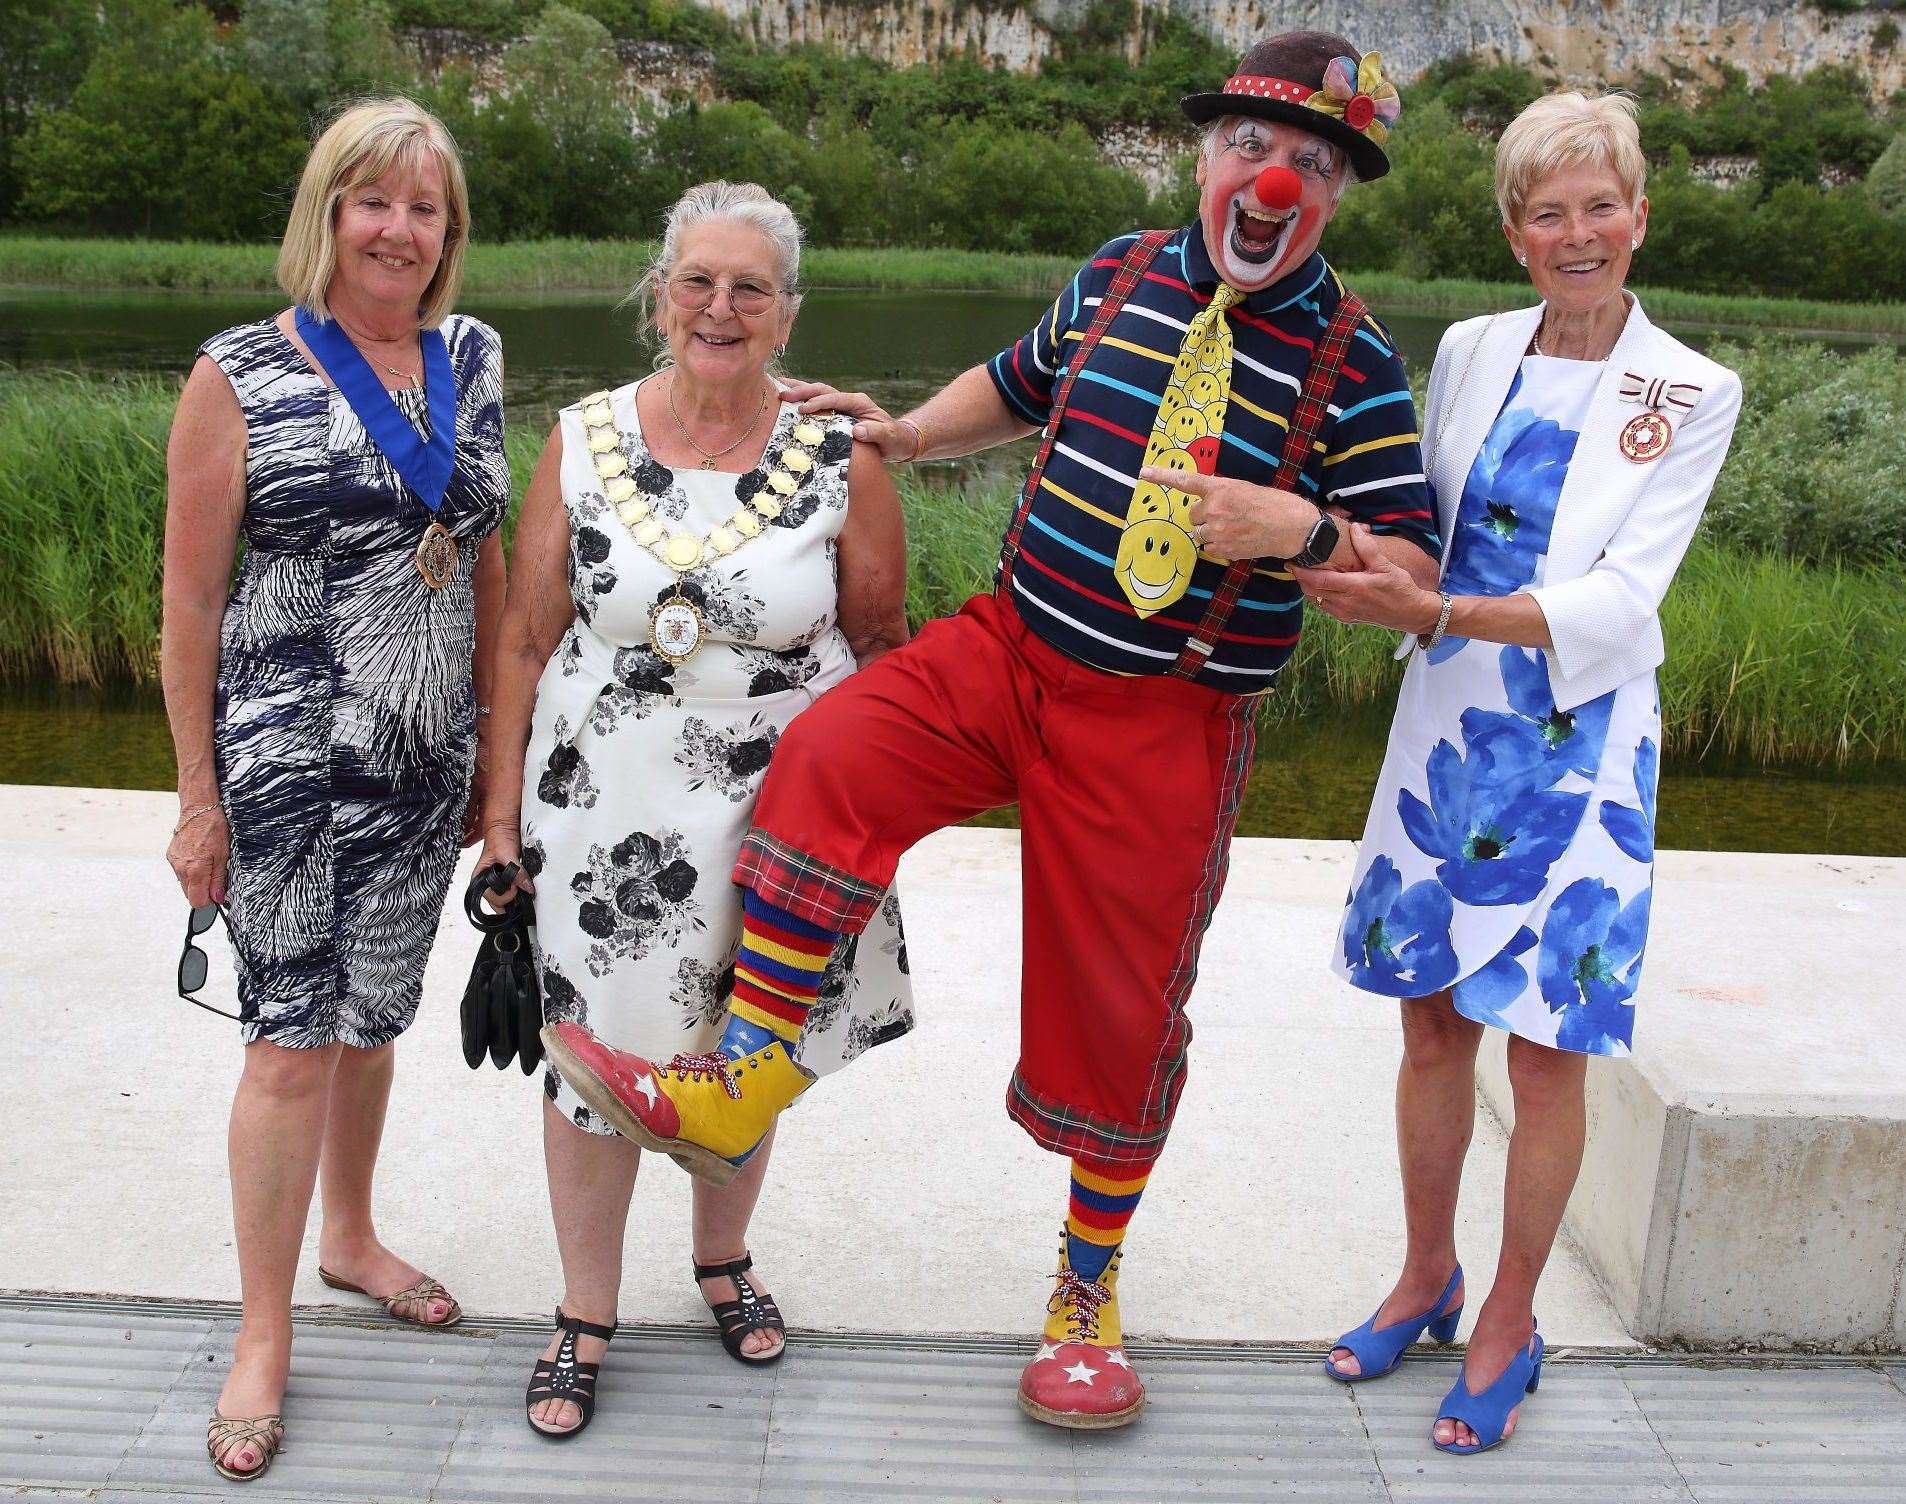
(697, 563)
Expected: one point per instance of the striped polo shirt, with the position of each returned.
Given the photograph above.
(1367, 458)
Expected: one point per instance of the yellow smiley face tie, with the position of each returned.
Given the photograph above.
(1155, 551)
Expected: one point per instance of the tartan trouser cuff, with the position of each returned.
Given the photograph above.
(803, 885)
(1081, 1133)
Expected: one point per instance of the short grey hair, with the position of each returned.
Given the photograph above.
(1214, 132)
(1569, 129)
(739, 203)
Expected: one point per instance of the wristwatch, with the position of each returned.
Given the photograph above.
(1321, 543)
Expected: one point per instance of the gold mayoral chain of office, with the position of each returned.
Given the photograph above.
(676, 628)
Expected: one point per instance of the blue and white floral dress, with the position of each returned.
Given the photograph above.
(1509, 852)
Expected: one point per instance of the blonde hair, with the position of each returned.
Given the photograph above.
(740, 203)
(1568, 129)
(362, 144)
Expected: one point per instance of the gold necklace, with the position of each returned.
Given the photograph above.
(708, 460)
(676, 627)
(411, 379)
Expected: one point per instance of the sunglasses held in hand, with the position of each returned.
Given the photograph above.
(194, 964)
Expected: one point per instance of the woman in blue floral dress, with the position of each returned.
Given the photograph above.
(1506, 871)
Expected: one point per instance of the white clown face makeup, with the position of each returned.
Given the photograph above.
(1253, 243)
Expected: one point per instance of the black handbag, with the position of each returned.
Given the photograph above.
(502, 1006)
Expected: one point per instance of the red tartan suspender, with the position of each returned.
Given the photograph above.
(1137, 258)
(1306, 419)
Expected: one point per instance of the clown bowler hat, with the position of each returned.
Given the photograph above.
(1318, 82)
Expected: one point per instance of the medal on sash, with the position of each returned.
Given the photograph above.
(425, 467)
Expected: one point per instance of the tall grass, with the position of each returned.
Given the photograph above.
(1770, 660)
(573, 265)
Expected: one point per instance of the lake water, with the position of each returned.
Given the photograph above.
(901, 346)
(1311, 782)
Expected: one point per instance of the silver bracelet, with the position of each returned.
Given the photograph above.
(1442, 623)
(198, 811)
(919, 439)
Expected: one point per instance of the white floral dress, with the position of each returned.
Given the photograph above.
(641, 774)
(1509, 852)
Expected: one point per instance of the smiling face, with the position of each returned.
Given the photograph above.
(719, 343)
(1579, 233)
(1252, 244)
(389, 235)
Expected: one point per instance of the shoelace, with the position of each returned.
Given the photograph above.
(694, 1067)
(1085, 1297)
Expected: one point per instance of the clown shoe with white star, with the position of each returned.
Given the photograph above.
(707, 1112)
(1080, 1376)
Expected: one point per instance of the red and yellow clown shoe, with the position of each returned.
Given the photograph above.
(707, 1112)
(1080, 1376)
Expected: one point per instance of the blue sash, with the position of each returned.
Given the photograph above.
(425, 468)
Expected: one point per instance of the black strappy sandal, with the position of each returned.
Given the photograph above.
(563, 1378)
(752, 1312)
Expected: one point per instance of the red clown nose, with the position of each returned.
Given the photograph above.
(1278, 188)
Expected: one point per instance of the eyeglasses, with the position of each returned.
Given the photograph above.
(194, 964)
(1316, 162)
(694, 292)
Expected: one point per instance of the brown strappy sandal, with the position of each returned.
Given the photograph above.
(410, 1305)
(225, 1434)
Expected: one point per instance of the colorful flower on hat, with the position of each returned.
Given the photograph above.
(1356, 92)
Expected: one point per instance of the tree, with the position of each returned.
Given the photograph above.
(163, 138)
(49, 44)
(321, 52)
(1886, 183)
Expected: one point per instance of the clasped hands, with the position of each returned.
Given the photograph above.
(1233, 519)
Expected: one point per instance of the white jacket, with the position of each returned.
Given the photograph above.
(1621, 528)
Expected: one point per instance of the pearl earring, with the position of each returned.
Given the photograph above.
(1635, 244)
(1522, 261)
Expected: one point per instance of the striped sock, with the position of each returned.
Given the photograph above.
(1103, 1200)
(777, 976)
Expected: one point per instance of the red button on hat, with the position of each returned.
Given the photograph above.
(1361, 110)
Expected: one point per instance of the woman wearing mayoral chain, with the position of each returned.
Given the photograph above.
(1505, 876)
(697, 563)
(325, 704)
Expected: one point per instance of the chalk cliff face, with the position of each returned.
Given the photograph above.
(1581, 40)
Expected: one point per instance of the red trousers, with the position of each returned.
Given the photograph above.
(1128, 790)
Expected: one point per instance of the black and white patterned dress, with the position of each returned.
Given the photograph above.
(641, 774)
(344, 721)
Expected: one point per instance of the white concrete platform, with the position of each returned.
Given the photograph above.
(897, 1204)
(902, 1199)
(1745, 1181)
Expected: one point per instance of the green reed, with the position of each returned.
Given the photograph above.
(1770, 660)
(573, 265)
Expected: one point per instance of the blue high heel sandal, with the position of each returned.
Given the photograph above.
(1487, 1414)
(1379, 1350)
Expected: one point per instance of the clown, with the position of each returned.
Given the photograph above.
(1210, 396)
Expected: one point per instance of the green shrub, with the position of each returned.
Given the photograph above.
(1814, 471)
(1886, 183)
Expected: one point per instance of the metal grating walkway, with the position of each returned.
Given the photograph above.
(107, 1401)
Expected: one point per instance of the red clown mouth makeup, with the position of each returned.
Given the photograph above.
(1258, 236)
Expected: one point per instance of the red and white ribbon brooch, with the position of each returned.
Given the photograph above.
(1647, 435)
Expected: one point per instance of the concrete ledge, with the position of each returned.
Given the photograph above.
(1745, 1183)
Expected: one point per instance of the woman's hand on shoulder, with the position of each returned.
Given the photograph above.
(199, 854)
(897, 442)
